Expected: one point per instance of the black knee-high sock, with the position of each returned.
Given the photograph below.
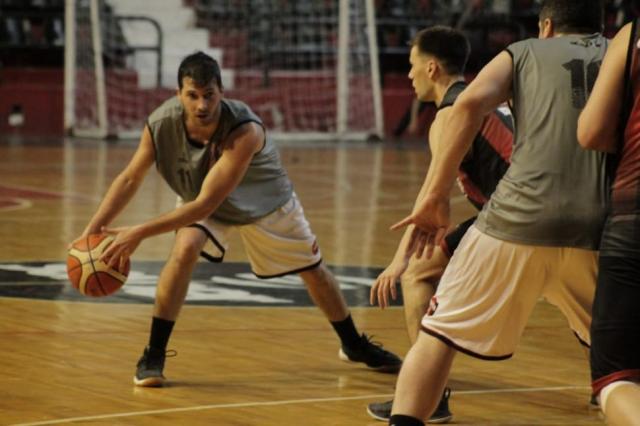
(160, 333)
(401, 420)
(347, 332)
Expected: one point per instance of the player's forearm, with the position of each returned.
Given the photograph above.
(185, 215)
(115, 200)
(464, 123)
(425, 186)
(402, 254)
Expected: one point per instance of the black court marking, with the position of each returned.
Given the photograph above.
(226, 284)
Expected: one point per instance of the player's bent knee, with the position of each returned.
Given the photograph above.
(411, 284)
(186, 252)
(606, 392)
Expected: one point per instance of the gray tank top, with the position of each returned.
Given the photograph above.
(184, 163)
(553, 193)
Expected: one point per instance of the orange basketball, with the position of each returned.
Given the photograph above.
(89, 275)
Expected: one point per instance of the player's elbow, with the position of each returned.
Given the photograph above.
(586, 137)
(128, 180)
(593, 136)
(203, 207)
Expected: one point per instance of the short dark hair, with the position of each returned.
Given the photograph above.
(574, 16)
(448, 45)
(202, 68)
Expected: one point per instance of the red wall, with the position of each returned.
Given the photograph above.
(40, 93)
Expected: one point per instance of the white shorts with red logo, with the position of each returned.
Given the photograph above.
(278, 244)
(490, 287)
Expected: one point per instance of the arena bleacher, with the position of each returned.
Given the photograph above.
(32, 40)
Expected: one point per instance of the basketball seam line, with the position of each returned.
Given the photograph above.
(93, 266)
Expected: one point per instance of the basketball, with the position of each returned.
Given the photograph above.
(87, 274)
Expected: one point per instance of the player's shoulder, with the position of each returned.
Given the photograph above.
(593, 39)
(530, 47)
(239, 113)
(236, 106)
(443, 113)
(242, 112)
(452, 94)
(440, 119)
(522, 45)
(168, 110)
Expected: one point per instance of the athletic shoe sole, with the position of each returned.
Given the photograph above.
(383, 368)
(440, 420)
(432, 421)
(149, 382)
(375, 416)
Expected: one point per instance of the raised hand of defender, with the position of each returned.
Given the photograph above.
(386, 282)
(431, 220)
(125, 243)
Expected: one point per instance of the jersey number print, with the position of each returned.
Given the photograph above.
(582, 80)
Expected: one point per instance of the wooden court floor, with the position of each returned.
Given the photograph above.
(71, 361)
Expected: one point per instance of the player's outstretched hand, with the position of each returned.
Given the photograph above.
(431, 220)
(386, 282)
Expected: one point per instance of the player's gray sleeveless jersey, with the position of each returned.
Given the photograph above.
(553, 194)
(184, 163)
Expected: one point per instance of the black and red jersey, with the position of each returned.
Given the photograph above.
(625, 191)
(621, 234)
(483, 166)
(489, 155)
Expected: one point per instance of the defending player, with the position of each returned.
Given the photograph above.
(438, 58)
(535, 236)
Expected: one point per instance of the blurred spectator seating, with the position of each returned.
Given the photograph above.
(31, 32)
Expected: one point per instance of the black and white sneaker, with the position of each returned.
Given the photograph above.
(372, 354)
(594, 404)
(382, 410)
(150, 367)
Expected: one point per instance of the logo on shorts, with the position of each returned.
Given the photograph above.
(314, 247)
(433, 305)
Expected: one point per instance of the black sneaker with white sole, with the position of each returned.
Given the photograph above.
(150, 367)
(382, 410)
(372, 354)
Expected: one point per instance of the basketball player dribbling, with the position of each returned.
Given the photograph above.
(215, 154)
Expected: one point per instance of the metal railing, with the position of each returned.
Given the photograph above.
(157, 48)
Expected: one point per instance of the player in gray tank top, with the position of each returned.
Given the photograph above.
(535, 202)
(549, 204)
(215, 154)
(185, 163)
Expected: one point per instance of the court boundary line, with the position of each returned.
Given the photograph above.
(50, 192)
(283, 402)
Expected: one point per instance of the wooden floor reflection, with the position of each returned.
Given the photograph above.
(72, 362)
